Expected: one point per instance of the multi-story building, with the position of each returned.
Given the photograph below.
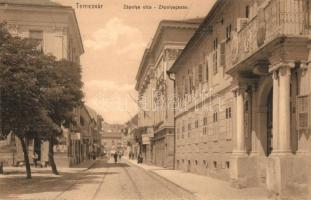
(112, 137)
(243, 88)
(131, 143)
(156, 118)
(81, 142)
(56, 29)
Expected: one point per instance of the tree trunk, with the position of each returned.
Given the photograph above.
(26, 158)
(51, 156)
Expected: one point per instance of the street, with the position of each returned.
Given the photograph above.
(104, 180)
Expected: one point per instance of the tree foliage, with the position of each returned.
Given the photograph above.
(38, 92)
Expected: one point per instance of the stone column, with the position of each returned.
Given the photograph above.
(275, 111)
(240, 132)
(284, 137)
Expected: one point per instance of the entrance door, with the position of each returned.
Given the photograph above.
(269, 124)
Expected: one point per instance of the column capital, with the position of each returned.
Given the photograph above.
(280, 65)
(284, 71)
(275, 75)
(240, 90)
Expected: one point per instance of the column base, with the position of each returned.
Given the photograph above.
(239, 153)
(288, 176)
(243, 171)
(282, 153)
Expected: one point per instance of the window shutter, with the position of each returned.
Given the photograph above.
(222, 51)
(200, 73)
(215, 62)
(206, 70)
(303, 112)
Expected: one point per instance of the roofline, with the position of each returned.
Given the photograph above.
(56, 7)
(196, 35)
(78, 28)
(141, 67)
(162, 24)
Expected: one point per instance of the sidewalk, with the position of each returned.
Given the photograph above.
(204, 187)
(9, 170)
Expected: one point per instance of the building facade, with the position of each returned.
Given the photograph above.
(131, 139)
(156, 118)
(82, 142)
(112, 138)
(56, 29)
(243, 96)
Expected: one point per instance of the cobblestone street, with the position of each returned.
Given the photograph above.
(104, 180)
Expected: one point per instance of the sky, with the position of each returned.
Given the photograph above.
(114, 40)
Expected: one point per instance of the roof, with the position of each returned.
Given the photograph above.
(197, 35)
(48, 4)
(185, 23)
(31, 2)
(93, 114)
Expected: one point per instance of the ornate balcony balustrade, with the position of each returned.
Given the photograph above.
(275, 18)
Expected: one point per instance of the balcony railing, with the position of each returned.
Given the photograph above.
(274, 19)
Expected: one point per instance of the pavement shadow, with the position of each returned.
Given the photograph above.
(110, 165)
(16, 186)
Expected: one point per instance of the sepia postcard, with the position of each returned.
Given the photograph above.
(155, 100)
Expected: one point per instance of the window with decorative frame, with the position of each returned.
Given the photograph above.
(303, 112)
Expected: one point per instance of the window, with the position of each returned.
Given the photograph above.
(200, 73)
(215, 56)
(228, 31)
(215, 44)
(196, 162)
(82, 121)
(205, 125)
(205, 121)
(247, 12)
(228, 113)
(189, 126)
(205, 163)
(37, 36)
(227, 164)
(303, 112)
(196, 123)
(215, 117)
(206, 71)
(215, 164)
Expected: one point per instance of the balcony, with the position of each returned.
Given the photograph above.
(274, 19)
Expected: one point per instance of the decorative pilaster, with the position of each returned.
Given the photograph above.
(281, 108)
(275, 112)
(284, 110)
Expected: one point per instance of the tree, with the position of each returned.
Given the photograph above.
(20, 90)
(39, 93)
(62, 90)
(64, 97)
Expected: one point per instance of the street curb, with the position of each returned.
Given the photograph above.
(168, 180)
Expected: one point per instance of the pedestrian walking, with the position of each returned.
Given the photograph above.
(115, 157)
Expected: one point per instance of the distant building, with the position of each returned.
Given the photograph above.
(84, 136)
(112, 137)
(56, 28)
(131, 138)
(156, 90)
